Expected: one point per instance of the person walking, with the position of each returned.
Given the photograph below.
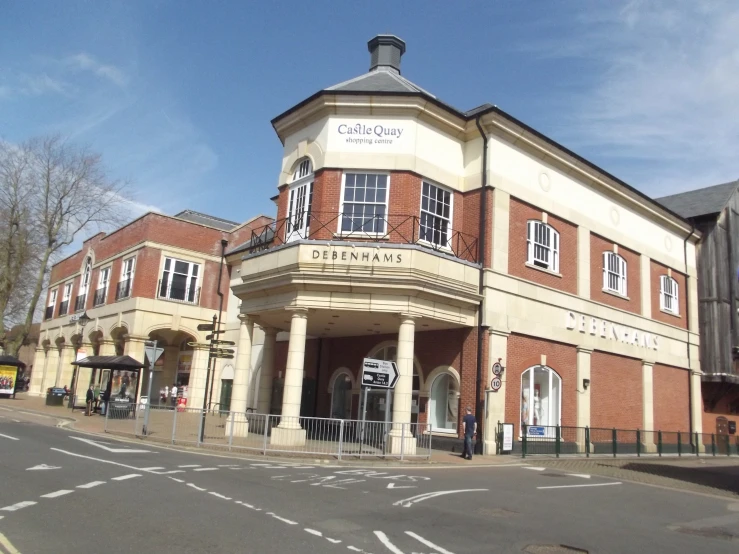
(90, 398)
(469, 426)
(174, 395)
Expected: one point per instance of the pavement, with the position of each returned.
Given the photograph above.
(66, 491)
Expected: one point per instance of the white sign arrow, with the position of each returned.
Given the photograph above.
(42, 466)
(116, 450)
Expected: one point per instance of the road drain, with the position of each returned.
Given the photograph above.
(552, 549)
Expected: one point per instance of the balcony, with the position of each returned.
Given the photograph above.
(64, 308)
(123, 290)
(174, 293)
(427, 231)
(49, 313)
(99, 298)
(79, 302)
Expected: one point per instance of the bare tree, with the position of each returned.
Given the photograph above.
(54, 191)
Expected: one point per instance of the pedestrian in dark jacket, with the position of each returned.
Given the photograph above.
(90, 398)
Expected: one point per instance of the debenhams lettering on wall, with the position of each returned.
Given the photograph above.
(361, 133)
(365, 256)
(612, 331)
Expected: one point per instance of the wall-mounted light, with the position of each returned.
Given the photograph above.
(585, 384)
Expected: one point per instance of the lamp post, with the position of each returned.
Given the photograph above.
(224, 243)
(82, 320)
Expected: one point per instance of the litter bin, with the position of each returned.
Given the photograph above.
(55, 397)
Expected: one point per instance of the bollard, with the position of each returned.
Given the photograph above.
(231, 434)
(659, 443)
(713, 444)
(679, 444)
(523, 440)
(557, 436)
(728, 446)
(615, 442)
(341, 436)
(587, 442)
(174, 425)
(266, 426)
(638, 443)
(402, 440)
(697, 450)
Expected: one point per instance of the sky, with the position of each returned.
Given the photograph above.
(178, 95)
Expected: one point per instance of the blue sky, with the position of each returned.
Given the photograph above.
(178, 96)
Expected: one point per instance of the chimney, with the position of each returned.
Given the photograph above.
(385, 52)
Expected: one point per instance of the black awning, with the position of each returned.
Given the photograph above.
(110, 362)
(11, 360)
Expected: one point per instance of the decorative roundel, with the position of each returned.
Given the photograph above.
(544, 182)
(668, 243)
(496, 383)
(615, 216)
(497, 368)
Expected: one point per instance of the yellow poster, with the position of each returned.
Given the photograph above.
(7, 379)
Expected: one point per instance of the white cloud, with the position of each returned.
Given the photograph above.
(86, 62)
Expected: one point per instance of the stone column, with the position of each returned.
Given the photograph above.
(401, 439)
(240, 392)
(65, 369)
(647, 384)
(264, 400)
(38, 376)
(198, 375)
(583, 394)
(52, 368)
(696, 402)
(135, 348)
(289, 432)
(107, 347)
(497, 348)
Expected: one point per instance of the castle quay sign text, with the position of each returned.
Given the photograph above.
(364, 255)
(612, 331)
(369, 134)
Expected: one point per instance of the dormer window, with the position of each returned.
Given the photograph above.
(300, 201)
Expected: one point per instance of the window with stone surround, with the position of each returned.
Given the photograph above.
(179, 281)
(542, 242)
(300, 201)
(436, 215)
(668, 295)
(364, 198)
(614, 273)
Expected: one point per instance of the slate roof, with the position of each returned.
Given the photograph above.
(705, 201)
(208, 220)
(379, 80)
(110, 362)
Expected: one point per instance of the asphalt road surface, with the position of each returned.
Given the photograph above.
(65, 492)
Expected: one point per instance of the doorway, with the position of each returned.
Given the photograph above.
(225, 400)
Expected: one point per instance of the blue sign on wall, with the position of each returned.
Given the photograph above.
(536, 431)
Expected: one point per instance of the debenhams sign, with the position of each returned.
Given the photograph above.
(612, 331)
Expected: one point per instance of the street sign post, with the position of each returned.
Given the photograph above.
(379, 373)
(206, 327)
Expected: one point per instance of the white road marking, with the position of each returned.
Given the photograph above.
(408, 502)
(288, 521)
(354, 548)
(91, 485)
(178, 480)
(206, 469)
(151, 468)
(124, 477)
(8, 546)
(36, 415)
(217, 495)
(15, 420)
(390, 546)
(95, 459)
(190, 465)
(18, 506)
(56, 494)
(116, 450)
(42, 467)
(8, 437)
(170, 472)
(228, 465)
(313, 532)
(394, 486)
(196, 487)
(581, 475)
(535, 468)
(580, 486)
(428, 543)
(251, 507)
(335, 541)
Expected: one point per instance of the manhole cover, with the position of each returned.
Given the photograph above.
(553, 549)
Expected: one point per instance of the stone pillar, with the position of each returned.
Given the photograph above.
(242, 371)
(107, 347)
(289, 432)
(646, 285)
(135, 348)
(52, 368)
(40, 360)
(647, 383)
(696, 402)
(497, 348)
(501, 221)
(583, 394)
(264, 400)
(198, 375)
(583, 262)
(65, 368)
(401, 439)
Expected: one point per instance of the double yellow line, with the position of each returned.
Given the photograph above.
(6, 544)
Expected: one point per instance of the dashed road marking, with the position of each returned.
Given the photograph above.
(535, 468)
(354, 548)
(428, 543)
(56, 494)
(124, 477)
(282, 519)
(18, 506)
(15, 420)
(156, 468)
(8, 437)
(91, 485)
(178, 480)
(217, 495)
(581, 475)
(408, 502)
(334, 541)
(581, 486)
(206, 469)
(196, 487)
(190, 465)
(313, 532)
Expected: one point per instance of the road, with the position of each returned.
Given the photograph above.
(66, 492)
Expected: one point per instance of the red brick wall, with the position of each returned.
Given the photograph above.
(520, 214)
(671, 404)
(615, 391)
(146, 277)
(524, 352)
(657, 270)
(598, 245)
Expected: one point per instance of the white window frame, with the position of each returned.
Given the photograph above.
(376, 234)
(297, 225)
(550, 432)
(52, 298)
(668, 295)
(67, 291)
(127, 273)
(615, 272)
(445, 241)
(85, 278)
(188, 283)
(542, 238)
(103, 282)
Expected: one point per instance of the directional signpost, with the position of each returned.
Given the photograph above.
(153, 352)
(379, 374)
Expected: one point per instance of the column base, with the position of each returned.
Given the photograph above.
(398, 445)
(490, 448)
(649, 447)
(282, 436)
(240, 426)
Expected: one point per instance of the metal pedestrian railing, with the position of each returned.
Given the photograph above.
(594, 441)
(273, 434)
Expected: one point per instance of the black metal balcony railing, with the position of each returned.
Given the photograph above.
(49, 312)
(186, 295)
(64, 307)
(123, 290)
(79, 303)
(99, 298)
(430, 232)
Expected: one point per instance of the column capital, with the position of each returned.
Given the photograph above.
(268, 331)
(405, 316)
(246, 319)
(499, 333)
(297, 311)
(583, 350)
(649, 363)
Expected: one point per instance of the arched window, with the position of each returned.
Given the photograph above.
(79, 303)
(541, 399)
(668, 299)
(443, 403)
(300, 200)
(341, 397)
(542, 246)
(614, 273)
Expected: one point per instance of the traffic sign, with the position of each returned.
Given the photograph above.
(379, 373)
(205, 327)
(153, 354)
(210, 337)
(225, 342)
(496, 383)
(222, 351)
(224, 356)
(497, 368)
